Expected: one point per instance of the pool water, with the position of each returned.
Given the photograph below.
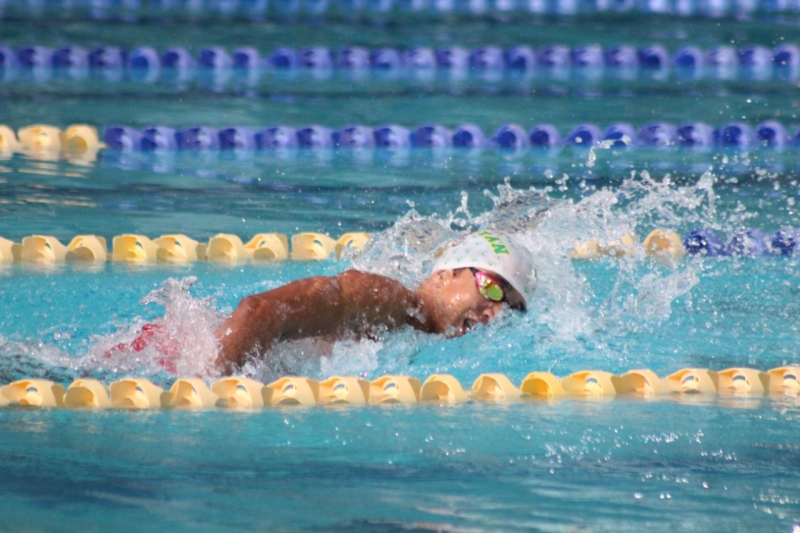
(689, 463)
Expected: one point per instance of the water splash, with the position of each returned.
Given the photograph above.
(407, 250)
(183, 342)
(571, 315)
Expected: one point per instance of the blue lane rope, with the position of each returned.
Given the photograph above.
(147, 65)
(82, 141)
(134, 10)
(694, 135)
(698, 136)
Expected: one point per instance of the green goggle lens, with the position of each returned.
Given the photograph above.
(489, 288)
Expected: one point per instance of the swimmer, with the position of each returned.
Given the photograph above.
(472, 279)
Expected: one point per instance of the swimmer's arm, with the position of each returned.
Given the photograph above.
(350, 302)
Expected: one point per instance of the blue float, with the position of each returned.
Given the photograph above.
(704, 242)
(755, 57)
(655, 6)
(689, 58)
(786, 241)
(520, 58)
(68, 57)
(469, 136)
(748, 242)
(143, 57)
(354, 137)
(254, 9)
(755, 62)
(177, 58)
(33, 56)
(786, 61)
(696, 135)
(735, 135)
(654, 57)
(722, 62)
(724, 57)
(236, 138)
(276, 138)
(314, 136)
(415, 6)
(214, 58)
(385, 59)
(158, 139)
(452, 58)
(544, 136)
(109, 57)
(351, 7)
(621, 135)
(588, 56)
(8, 59)
(284, 8)
(315, 58)
(621, 57)
(380, 6)
(392, 136)
(786, 56)
(155, 6)
(658, 134)
(246, 58)
(283, 58)
(584, 136)
(316, 7)
(122, 138)
(565, 7)
(472, 7)
(502, 6)
(419, 58)
(353, 57)
(619, 6)
(552, 56)
(510, 137)
(197, 138)
(771, 134)
(486, 58)
(431, 136)
(226, 8)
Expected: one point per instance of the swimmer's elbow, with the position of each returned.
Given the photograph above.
(244, 318)
(243, 313)
(248, 305)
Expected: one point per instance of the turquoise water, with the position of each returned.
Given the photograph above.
(690, 464)
(621, 466)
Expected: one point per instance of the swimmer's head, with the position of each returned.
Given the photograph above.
(473, 279)
(498, 254)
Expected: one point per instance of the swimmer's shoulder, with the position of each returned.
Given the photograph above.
(357, 279)
(367, 288)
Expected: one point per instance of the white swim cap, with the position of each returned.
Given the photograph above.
(495, 251)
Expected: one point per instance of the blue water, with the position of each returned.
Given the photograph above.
(676, 463)
(621, 466)
(695, 464)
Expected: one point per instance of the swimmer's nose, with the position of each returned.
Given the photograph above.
(490, 311)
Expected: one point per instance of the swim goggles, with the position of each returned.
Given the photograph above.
(490, 288)
(493, 289)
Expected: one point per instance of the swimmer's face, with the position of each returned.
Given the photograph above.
(459, 306)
